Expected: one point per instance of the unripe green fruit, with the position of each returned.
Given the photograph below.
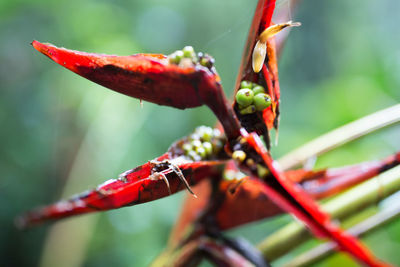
(258, 89)
(193, 155)
(262, 101)
(206, 133)
(186, 148)
(208, 148)
(196, 144)
(239, 155)
(262, 172)
(201, 152)
(205, 60)
(188, 52)
(176, 57)
(244, 97)
(194, 136)
(246, 84)
(248, 110)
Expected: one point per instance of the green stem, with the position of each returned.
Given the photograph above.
(340, 207)
(341, 136)
(322, 251)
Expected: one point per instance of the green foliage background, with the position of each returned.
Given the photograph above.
(62, 133)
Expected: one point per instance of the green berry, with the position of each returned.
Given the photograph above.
(176, 57)
(193, 155)
(194, 136)
(186, 148)
(208, 148)
(201, 152)
(258, 89)
(244, 97)
(203, 62)
(188, 52)
(241, 107)
(206, 60)
(205, 133)
(196, 144)
(239, 155)
(262, 172)
(246, 84)
(248, 110)
(262, 101)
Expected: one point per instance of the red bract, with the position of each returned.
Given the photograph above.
(138, 187)
(318, 184)
(224, 204)
(325, 183)
(269, 75)
(149, 77)
(156, 179)
(144, 76)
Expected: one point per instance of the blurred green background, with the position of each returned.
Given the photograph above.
(61, 134)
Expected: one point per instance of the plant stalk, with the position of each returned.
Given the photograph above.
(340, 207)
(322, 251)
(340, 136)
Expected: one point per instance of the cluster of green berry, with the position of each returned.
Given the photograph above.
(187, 57)
(203, 143)
(251, 97)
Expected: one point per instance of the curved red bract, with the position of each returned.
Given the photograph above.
(150, 77)
(144, 76)
(269, 76)
(136, 187)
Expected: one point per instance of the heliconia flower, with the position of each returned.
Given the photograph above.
(260, 49)
(185, 80)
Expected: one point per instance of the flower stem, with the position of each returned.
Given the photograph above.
(340, 207)
(341, 136)
(322, 251)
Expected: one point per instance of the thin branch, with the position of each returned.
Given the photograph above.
(191, 253)
(324, 250)
(340, 207)
(341, 136)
